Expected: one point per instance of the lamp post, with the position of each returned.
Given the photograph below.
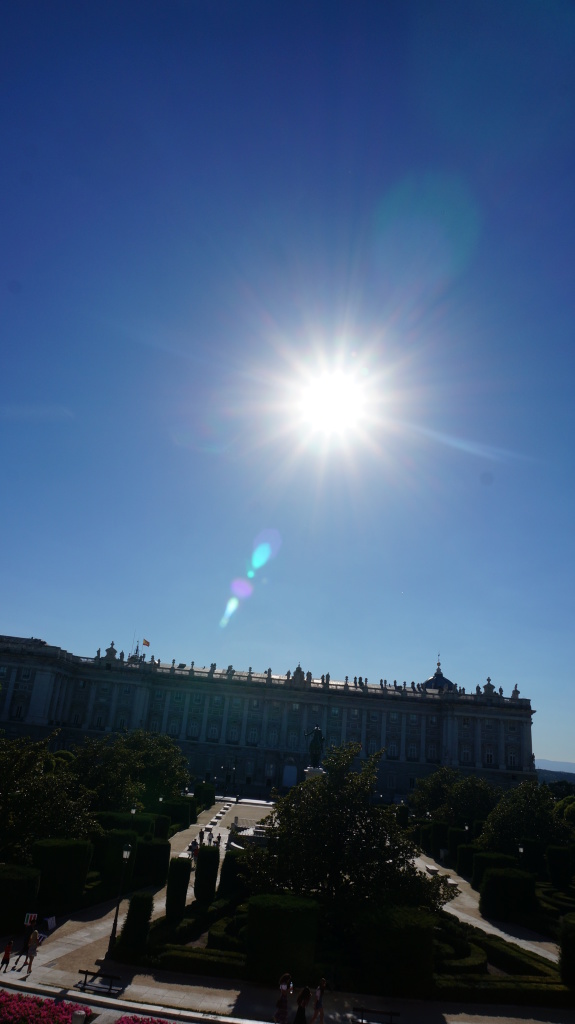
(125, 858)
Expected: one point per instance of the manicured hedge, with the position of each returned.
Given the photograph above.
(439, 838)
(64, 866)
(134, 935)
(558, 859)
(389, 942)
(219, 937)
(465, 854)
(456, 837)
(474, 963)
(207, 866)
(142, 824)
(179, 872)
(483, 862)
(152, 862)
(567, 950)
(208, 963)
(507, 894)
(205, 794)
(162, 824)
(180, 811)
(231, 883)
(281, 930)
(19, 887)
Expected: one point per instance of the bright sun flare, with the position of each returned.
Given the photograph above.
(333, 402)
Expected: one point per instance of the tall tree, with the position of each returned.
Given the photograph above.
(133, 768)
(40, 798)
(328, 840)
(525, 812)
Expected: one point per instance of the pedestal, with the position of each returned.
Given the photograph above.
(313, 773)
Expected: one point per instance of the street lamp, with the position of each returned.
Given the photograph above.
(125, 858)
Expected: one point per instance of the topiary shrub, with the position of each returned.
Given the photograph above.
(464, 863)
(389, 941)
(507, 894)
(179, 872)
(232, 884)
(558, 860)
(281, 934)
(455, 837)
(567, 950)
(19, 888)
(425, 839)
(134, 934)
(533, 857)
(205, 794)
(483, 862)
(64, 866)
(162, 824)
(206, 873)
(178, 811)
(439, 838)
(152, 862)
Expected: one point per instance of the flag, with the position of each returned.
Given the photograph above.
(145, 643)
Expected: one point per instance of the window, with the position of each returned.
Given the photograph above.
(253, 735)
(236, 702)
(25, 673)
(177, 698)
(76, 720)
(374, 717)
(99, 722)
(273, 737)
(354, 713)
(431, 752)
(213, 731)
(394, 717)
(127, 689)
(392, 749)
(292, 740)
(512, 758)
(413, 719)
(121, 723)
(295, 707)
(433, 719)
(489, 724)
(412, 751)
(466, 723)
(197, 698)
(233, 734)
(335, 712)
(412, 782)
(18, 711)
(157, 694)
(512, 727)
(174, 728)
(489, 756)
(217, 701)
(154, 725)
(270, 771)
(194, 729)
(81, 684)
(255, 704)
(3, 671)
(465, 754)
(371, 745)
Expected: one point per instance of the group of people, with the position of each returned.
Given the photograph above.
(286, 988)
(28, 951)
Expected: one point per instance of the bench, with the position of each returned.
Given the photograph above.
(95, 977)
(364, 1013)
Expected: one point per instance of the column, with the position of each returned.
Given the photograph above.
(202, 736)
(501, 751)
(164, 726)
(478, 761)
(363, 752)
(245, 722)
(402, 757)
(423, 739)
(526, 750)
(185, 713)
(114, 704)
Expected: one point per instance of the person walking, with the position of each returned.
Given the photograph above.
(6, 956)
(318, 1004)
(302, 1001)
(286, 985)
(32, 950)
(201, 836)
(23, 952)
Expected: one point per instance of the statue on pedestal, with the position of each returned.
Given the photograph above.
(316, 746)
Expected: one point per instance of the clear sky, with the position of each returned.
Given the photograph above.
(287, 311)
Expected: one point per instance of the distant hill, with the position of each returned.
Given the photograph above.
(555, 766)
(544, 775)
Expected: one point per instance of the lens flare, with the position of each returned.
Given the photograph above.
(265, 547)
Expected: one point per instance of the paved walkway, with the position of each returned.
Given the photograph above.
(82, 940)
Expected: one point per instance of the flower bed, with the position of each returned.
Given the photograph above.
(141, 1020)
(16, 1008)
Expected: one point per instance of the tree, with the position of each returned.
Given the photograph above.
(525, 812)
(330, 842)
(135, 768)
(447, 795)
(41, 798)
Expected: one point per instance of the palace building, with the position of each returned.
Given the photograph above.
(246, 731)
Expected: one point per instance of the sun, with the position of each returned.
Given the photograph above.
(332, 403)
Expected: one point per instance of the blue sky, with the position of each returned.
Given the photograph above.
(287, 290)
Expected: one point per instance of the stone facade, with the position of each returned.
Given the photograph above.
(246, 730)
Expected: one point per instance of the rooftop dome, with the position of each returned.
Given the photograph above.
(438, 681)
